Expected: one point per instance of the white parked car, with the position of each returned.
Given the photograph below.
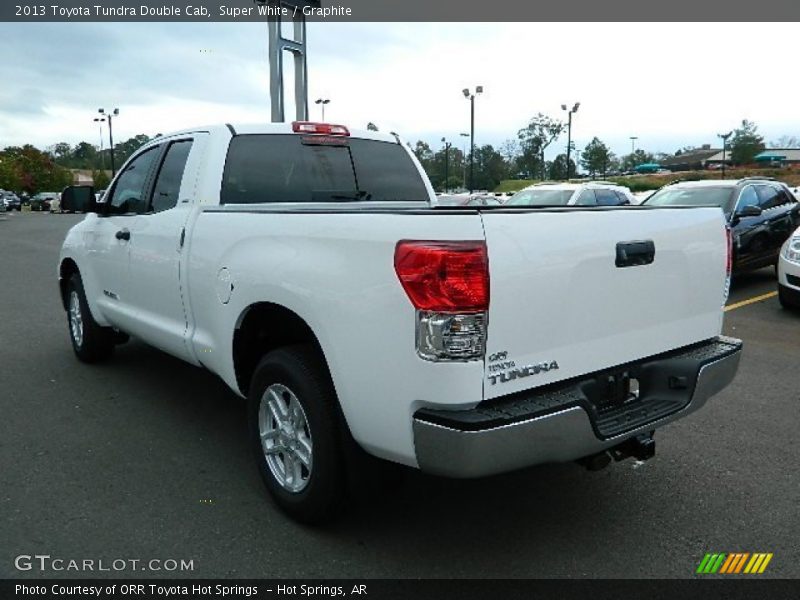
(789, 272)
(309, 268)
(592, 193)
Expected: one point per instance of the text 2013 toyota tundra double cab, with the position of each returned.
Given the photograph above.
(310, 268)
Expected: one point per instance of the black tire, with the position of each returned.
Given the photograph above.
(301, 371)
(95, 343)
(787, 302)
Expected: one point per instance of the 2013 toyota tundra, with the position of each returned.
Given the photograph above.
(309, 267)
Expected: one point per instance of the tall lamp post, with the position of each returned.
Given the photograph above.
(323, 102)
(471, 97)
(633, 144)
(570, 112)
(464, 159)
(109, 115)
(101, 120)
(446, 161)
(724, 137)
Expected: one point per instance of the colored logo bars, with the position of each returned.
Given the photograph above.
(734, 562)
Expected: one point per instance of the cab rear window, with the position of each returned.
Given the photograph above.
(297, 168)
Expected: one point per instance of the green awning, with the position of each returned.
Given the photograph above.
(769, 156)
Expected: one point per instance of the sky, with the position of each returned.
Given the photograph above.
(670, 85)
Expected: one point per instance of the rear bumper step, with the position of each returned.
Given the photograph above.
(573, 419)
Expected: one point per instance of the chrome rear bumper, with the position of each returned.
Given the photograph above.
(562, 424)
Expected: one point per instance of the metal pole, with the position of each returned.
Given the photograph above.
(723, 156)
(446, 157)
(111, 146)
(471, 142)
(323, 112)
(569, 140)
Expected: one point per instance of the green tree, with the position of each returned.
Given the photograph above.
(596, 157)
(745, 143)
(490, 168)
(534, 139)
(28, 169)
(100, 179)
(639, 157)
(123, 151)
(558, 168)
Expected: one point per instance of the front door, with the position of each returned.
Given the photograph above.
(109, 242)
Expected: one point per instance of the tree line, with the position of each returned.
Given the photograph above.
(28, 169)
(524, 157)
(31, 170)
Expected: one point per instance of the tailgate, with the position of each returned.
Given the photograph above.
(561, 307)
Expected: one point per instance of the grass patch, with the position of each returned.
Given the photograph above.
(514, 185)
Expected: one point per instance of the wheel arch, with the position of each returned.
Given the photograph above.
(66, 270)
(265, 326)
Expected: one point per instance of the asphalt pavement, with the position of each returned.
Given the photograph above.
(144, 457)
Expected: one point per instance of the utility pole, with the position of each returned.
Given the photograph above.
(471, 97)
(571, 112)
(109, 115)
(446, 160)
(724, 137)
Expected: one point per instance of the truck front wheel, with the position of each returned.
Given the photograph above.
(92, 342)
(294, 428)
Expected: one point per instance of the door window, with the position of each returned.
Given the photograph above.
(168, 181)
(586, 198)
(748, 197)
(769, 196)
(128, 195)
(606, 198)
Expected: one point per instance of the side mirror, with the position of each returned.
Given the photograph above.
(78, 198)
(749, 211)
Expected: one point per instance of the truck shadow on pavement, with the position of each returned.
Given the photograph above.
(202, 423)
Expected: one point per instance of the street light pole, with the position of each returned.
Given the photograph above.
(446, 160)
(323, 102)
(724, 137)
(572, 111)
(633, 144)
(464, 159)
(471, 97)
(109, 115)
(101, 120)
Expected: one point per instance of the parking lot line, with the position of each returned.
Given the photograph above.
(750, 301)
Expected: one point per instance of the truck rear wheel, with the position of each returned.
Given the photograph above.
(294, 429)
(91, 342)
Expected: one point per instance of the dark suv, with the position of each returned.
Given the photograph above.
(761, 212)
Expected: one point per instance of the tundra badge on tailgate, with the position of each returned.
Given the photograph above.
(506, 370)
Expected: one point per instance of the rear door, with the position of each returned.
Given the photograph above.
(778, 217)
(564, 297)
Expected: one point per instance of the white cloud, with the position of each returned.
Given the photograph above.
(669, 84)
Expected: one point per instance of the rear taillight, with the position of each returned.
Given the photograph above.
(444, 276)
(321, 128)
(728, 262)
(448, 284)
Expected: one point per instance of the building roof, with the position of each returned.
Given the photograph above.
(692, 156)
(790, 154)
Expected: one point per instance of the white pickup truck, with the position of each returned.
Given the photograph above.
(310, 268)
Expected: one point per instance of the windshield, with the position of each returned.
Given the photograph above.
(693, 196)
(540, 197)
(295, 168)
